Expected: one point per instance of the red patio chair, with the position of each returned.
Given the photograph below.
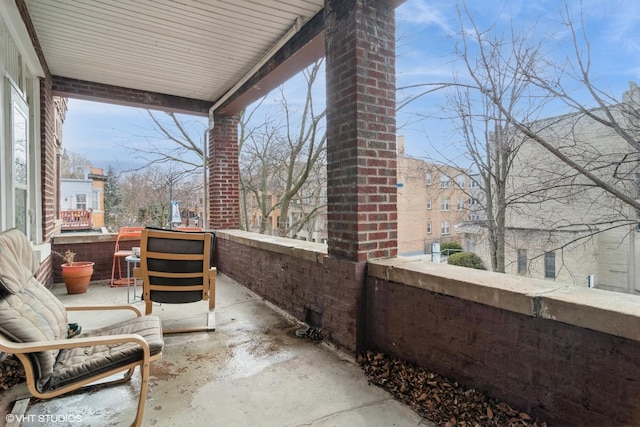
(126, 233)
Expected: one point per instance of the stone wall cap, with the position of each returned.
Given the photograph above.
(605, 311)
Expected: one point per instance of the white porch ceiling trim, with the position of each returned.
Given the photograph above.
(197, 49)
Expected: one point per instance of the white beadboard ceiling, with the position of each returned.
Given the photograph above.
(191, 48)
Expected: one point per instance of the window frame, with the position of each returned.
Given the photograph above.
(522, 261)
(80, 200)
(445, 204)
(549, 264)
(16, 104)
(95, 200)
(445, 228)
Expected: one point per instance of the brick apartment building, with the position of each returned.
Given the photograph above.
(432, 200)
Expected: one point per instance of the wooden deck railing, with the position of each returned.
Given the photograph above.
(75, 219)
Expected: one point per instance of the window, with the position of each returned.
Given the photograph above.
(287, 223)
(473, 183)
(550, 265)
(522, 262)
(445, 182)
(445, 228)
(16, 177)
(81, 201)
(95, 200)
(460, 180)
(429, 204)
(472, 201)
(444, 204)
(428, 178)
(20, 167)
(429, 228)
(460, 204)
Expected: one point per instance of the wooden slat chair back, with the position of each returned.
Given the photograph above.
(34, 323)
(176, 268)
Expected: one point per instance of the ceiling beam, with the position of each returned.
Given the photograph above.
(91, 91)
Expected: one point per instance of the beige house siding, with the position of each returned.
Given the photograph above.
(590, 231)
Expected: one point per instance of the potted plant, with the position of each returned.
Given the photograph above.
(76, 274)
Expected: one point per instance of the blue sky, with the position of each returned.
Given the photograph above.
(427, 32)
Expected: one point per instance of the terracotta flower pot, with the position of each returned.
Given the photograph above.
(76, 276)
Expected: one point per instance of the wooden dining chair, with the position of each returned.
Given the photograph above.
(175, 268)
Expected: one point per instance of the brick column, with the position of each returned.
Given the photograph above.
(224, 174)
(361, 127)
(50, 185)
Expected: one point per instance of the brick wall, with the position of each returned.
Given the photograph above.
(561, 373)
(99, 251)
(48, 159)
(224, 173)
(321, 291)
(45, 274)
(361, 126)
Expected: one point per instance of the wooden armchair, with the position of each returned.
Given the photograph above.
(33, 326)
(175, 268)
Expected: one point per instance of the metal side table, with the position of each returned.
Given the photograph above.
(132, 262)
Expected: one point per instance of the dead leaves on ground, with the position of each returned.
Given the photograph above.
(438, 399)
(11, 372)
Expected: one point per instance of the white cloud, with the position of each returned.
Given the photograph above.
(425, 14)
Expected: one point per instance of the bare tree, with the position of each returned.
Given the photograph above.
(160, 186)
(584, 160)
(562, 82)
(175, 139)
(490, 137)
(73, 165)
(279, 157)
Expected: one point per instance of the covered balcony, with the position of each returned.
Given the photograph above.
(545, 349)
(568, 356)
(253, 370)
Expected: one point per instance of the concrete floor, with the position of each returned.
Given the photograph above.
(252, 371)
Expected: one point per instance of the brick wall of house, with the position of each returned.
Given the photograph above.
(224, 173)
(48, 159)
(324, 292)
(361, 126)
(564, 374)
(45, 274)
(48, 147)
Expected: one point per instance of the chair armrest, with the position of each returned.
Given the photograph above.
(104, 307)
(37, 346)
